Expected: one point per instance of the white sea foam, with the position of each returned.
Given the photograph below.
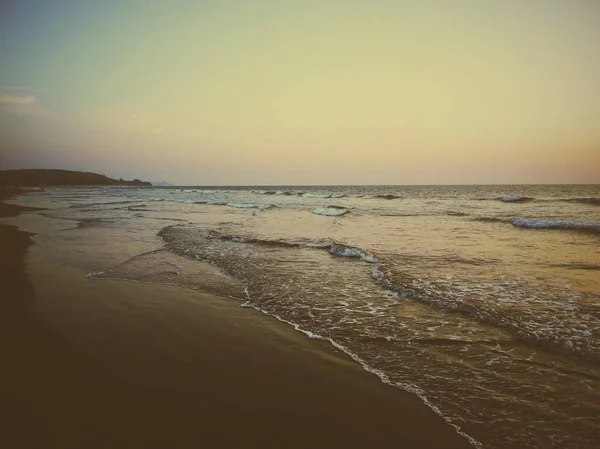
(249, 206)
(317, 195)
(509, 198)
(330, 212)
(352, 252)
(555, 224)
(377, 274)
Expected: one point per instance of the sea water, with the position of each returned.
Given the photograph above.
(482, 300)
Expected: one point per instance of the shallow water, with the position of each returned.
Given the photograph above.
(483, 300)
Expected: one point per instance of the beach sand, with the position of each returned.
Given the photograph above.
(119, 364)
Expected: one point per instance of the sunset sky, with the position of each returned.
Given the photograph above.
(303, 92)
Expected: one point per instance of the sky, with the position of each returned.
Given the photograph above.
(288, 92)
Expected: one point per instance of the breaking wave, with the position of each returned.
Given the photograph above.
(273, 192)
(387, 197)
(330, 211)
(556, 224)
(316, 195)
(348, 251)
(515, 199)
(334, 248)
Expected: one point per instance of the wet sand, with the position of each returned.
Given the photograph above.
(108, 363)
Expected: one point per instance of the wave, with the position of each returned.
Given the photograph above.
(576, 266)
(273, 192)
(348, 251)
(405, 287)
(330, 211)
(454, 213)
(491, 220)
(108, 203)
(543, 224)
(334, 248)
(556, 224)
(257, 241)
(212, 203)
(140, 208)
(387, 197)
(250, 206)
(440, 295)
(515, 199)
(316, 195)
(591, 200)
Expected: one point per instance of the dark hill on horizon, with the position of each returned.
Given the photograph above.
(55, 177)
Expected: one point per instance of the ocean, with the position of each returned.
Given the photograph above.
(484, 301)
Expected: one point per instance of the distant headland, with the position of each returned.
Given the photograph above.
(161, 184)
(55, 178)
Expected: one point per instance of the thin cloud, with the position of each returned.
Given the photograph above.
(19, 88)
(18, 100)
(24, 105)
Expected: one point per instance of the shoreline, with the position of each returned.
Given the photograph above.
(197, 370)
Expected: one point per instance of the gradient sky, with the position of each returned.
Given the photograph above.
(304, 92)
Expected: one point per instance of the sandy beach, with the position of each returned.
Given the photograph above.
(112, 363)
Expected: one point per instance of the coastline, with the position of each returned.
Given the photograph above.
(83, 376)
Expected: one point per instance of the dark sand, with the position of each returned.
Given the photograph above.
(141, 365)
